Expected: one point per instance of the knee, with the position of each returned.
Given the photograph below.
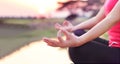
(74, 55)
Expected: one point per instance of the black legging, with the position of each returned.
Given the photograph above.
(96, 51)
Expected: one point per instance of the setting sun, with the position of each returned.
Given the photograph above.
(27, 7)
(42, 6)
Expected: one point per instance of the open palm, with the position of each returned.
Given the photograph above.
(70, 41)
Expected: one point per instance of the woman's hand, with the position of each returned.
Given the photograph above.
(70, 41)
(66, 25)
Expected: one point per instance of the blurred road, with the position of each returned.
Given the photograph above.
(38, 53)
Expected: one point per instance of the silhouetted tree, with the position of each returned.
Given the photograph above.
(72, 6)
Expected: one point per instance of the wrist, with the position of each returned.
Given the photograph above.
(73, 29)
(81, 41)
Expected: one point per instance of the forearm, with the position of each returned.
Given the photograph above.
(112, 18)
(97, 30)
(87, 24)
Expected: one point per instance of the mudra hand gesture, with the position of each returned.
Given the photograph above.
(66, 29)
(66, 25)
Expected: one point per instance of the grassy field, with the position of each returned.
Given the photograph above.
(18, 32)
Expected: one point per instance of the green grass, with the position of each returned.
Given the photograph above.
(12, 38)
(27, 21)
(8, 44)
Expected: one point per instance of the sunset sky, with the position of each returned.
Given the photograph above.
(27, 7)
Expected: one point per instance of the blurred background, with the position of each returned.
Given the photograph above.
(23, 23)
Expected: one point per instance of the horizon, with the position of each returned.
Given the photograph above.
(25, 8)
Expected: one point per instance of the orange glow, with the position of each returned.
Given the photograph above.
(41, 6)
(27, 7)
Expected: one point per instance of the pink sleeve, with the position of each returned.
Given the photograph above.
(109, 5)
